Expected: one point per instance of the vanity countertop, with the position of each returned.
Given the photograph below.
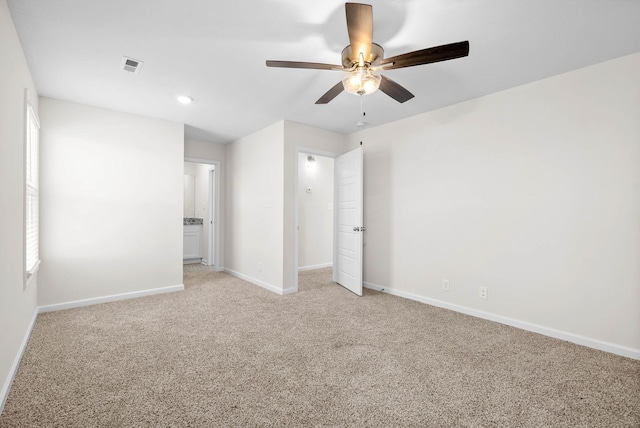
(187, 221)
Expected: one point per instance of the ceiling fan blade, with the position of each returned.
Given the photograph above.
(300, 64)
(429, 55)
(360, 27)
(394, 90)
(331, 94)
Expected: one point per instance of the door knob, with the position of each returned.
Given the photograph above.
(356, 229)
(362, 228)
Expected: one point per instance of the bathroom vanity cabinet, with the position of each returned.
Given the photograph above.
(192, 243)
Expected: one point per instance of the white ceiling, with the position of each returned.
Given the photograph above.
(215, 52)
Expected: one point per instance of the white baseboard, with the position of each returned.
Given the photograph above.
(4, 393)
(311, 267)
(257, 282)
(546, 331)
(111, 298)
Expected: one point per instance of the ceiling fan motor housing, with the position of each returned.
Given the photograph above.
(351, 59)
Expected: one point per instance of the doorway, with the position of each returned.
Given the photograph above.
(201, 212)
(315, 211)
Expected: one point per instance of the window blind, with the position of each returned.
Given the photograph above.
(32, 216)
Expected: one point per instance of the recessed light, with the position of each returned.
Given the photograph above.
(184, 99)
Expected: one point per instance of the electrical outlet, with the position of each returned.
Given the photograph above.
(483, 292)
(445, 285)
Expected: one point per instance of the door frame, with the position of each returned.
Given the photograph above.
(309, 150)
(211, 244)
(215, 230)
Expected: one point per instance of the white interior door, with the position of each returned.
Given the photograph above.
(349, 228)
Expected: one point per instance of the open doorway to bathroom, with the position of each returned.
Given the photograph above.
(200, 213)
(315, 217)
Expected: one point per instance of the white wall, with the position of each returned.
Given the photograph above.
(297, 135)
(202, 190)
(260, 201)
(315, 211)
(189, 193)
(254, 207)
(17, 305)
(206, 151)
(533, 192)
(111, 202)
(200, 202)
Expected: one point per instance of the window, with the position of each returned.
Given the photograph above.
(32, 136)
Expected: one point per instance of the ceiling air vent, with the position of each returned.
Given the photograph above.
(131, 65)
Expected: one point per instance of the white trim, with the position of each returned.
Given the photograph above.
(523, 325)
(4, 393)
(30, 275)
(111, 298)
(34, 269)
(312, 267)
(311, 151)
(211, 239)
(198, 160)
(259, 283)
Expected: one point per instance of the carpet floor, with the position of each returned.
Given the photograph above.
(225, 353)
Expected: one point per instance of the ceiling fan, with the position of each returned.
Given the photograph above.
(362, 59)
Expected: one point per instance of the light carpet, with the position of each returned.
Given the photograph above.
(226, 353)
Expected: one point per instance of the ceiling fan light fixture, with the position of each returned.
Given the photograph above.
(362, 81)
(362, 56)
